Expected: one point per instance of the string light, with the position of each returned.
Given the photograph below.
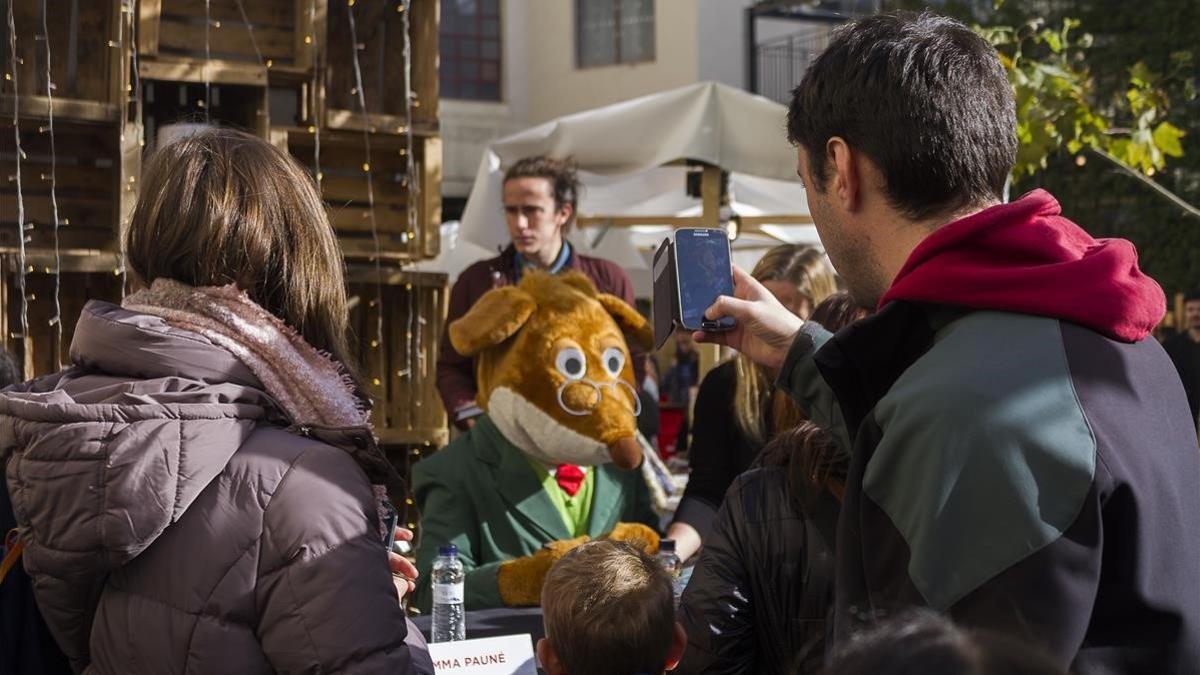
(21, 271)
(253, 43)
(56, 320)
(207, 61)
(362, 104)
(315, 128)
(414, 194)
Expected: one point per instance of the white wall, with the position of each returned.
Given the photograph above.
(558, 87)
(468, 126)
(722, 48)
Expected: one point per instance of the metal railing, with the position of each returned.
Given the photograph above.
(780, 63)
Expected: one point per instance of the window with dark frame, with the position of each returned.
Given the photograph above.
(608, 32)
(469, 38)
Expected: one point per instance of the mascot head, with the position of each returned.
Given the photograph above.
(553, 368)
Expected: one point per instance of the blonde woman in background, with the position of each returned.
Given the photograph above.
(737, 409)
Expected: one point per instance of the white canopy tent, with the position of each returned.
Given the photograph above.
(633, 160)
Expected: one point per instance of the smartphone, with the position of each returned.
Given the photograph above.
(703, 271)
(391, 521)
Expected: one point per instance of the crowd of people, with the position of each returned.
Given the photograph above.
(973, 460)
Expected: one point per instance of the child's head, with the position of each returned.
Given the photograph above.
(609, 608)
(925, 643)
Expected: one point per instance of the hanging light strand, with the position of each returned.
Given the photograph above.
(250, 30)
(207, 62)
(362, 104)
(315, 115)
(21, 262)
(415, 355)
(56, 320)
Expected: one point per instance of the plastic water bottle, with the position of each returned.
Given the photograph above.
(449, 622)
(672, 564)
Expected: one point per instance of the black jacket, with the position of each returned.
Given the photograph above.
(759, 597)
(719, 449)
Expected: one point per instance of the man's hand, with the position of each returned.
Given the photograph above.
(765, 328)
(404, 573)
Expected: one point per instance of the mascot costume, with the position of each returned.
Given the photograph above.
(552, 462)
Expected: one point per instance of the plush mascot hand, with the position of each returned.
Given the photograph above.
(635, 534)
(520, 580)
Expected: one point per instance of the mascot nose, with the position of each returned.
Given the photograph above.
(626, 452)
(581, 396)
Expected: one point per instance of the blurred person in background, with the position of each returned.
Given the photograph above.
(923, 643)
(737, 408)
(541, 197)
(1184, 350)
(760, 596)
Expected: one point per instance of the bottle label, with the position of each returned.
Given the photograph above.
(448, 594)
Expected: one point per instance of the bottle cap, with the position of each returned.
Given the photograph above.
(666, 546)
(448, 550)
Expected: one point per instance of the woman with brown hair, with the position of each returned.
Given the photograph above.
(201, 491)
(737, 409)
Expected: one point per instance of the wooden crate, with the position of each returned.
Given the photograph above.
(269, 30)
(238, 106)
(343, 181)
(380, 31)
(84, 277)
(89, 62)
(95, 179)
(408, 409)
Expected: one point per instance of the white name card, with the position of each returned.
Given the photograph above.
(507, 655)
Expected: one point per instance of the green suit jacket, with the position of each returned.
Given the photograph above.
(480, 494)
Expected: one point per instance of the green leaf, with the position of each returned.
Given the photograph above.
(1141, 75)
(1166, 137)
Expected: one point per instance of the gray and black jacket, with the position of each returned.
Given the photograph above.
(1019, 472)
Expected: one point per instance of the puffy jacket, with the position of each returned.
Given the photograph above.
(759, 597)
(173, 525)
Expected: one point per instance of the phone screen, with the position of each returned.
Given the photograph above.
(391, 520)
(704, 272)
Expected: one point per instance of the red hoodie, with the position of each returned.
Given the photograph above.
(1025, 257)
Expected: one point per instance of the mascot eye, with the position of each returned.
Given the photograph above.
(614, 361)
(571, 363)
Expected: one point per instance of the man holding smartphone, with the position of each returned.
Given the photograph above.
(540, 199)
(1022, 453)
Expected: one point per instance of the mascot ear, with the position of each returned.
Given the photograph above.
(580, 282)
(494, 318)
(634, 324)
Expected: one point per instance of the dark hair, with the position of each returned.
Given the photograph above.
(838, 311)
(924, 643)
(924, 97)
(609, 608)
(811, 457)
(1192, 296)
(564, 182)
(808, 451)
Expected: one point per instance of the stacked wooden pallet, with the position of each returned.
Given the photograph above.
(123, 70)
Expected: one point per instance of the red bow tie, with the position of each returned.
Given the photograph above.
(570, 478)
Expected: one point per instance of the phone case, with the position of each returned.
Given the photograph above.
(666, 299)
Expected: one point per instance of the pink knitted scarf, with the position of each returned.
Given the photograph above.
(310, 386)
